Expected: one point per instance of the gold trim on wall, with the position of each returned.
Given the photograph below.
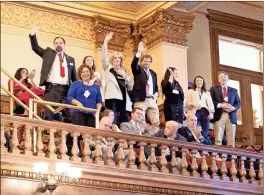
(54, 23)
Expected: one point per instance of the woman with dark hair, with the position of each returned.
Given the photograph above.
(84, 94)
(26, 79)
(174, 96)
(199, 101)
(98, 78)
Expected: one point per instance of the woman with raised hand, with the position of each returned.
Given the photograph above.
(174, 96)
(199, 101)
(118, 83)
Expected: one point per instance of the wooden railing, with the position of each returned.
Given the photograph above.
(197, 160)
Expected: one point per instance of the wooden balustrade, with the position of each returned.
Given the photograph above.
(197, 161)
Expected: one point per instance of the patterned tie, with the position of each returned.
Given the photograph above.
(62, 70)
(225, 94)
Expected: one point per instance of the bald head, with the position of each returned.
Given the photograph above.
(191, 120)
(106, 123)
(171, 128)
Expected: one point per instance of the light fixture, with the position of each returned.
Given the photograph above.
(49, 182)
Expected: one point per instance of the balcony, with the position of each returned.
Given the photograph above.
(203, 169)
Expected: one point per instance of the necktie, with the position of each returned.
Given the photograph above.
(224, 93)
(62, 70)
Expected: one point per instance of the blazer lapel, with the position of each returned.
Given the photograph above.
(229, 94)
(219, 89)
(153, 80)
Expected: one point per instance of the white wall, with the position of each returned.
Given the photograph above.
(199, 54)
(16, 50)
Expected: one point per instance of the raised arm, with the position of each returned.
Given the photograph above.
(34, 42)
(105, 60)
(134, 65)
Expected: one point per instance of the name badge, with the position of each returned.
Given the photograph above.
(226, 99)
(86, 94)
(175, 91)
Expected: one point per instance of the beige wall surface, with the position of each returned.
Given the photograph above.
(199, 55)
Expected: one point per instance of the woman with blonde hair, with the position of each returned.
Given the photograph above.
(117, 83)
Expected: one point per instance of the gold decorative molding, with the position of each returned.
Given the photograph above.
(49, 22)
(166, 26)
(120, 29)
(95, 183)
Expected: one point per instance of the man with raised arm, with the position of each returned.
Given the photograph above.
(57, 73)
(145, 90)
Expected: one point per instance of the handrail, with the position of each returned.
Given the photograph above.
(33, 108)
(70, 128)
(17, 100)
(25, 88)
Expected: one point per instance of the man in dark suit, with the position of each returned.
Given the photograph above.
(145, 90)
(192, 132)
(57, 73)
(227, 103)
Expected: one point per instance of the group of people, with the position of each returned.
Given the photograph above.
(121, 97)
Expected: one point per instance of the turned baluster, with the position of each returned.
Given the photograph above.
(98, 151)
(163, 160)
(223, 168)
(252, 173)
(52, 147)
(260, 173)
(142, 158)
(14, 141)
(63, 146)
(131, 156)
(39, 145)
(120, 154)
(75, 149)
(28, 141)
(214, 168)
(86, 153)
(3, 140)
(233, 169)
(109, 153)
(173, 163)
(204, 167)
(242, 170)
(152, 159)
(194, 164)
(184, 171)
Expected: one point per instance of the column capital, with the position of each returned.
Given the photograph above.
(169, 26)
(120, 29)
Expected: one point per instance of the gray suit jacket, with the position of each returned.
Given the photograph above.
(128, 127)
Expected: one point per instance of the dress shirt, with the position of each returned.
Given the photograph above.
(149, 82)
(54, 74)
(202, 100)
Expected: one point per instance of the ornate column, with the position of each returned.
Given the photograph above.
(165, 33)
(121, 32)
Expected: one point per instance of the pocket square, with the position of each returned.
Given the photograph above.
(71, 64)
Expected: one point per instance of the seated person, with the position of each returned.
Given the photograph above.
(170, 132)
(192, 132)
(134, 125)
(111, 114)
(27, 80)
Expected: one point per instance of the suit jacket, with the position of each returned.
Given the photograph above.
(128, 127)
(48, 55)
(233, 99)
(187, 134)
(140, 81)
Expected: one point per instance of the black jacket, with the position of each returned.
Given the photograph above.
(48, 55)
(140, 81)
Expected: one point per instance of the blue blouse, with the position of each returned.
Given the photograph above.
(89, 96)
